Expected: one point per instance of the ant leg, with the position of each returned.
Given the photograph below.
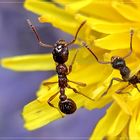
(131, 36)
(78, 83)
(75, 90)
(48, 83)
(37, 36)
(137, 88)
(72, 62)
(50, 104)
(75, 37)
(111, 82)
(99, 61)
(120, 91)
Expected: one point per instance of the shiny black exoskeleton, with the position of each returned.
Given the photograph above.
(119, 64)
(60, 52)
(60, 55)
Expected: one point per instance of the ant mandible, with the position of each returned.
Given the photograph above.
(60, 55)
(119, 64)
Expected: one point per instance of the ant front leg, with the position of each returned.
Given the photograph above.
(76, 91)
(131, 37)
(99, 61)
(72, 62)
(37, 36)
(111, 82)
(48, 83)
(50, 104)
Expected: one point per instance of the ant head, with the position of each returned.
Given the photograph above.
(60, 42)
(117, 62)
(67, 106)
(60, 52)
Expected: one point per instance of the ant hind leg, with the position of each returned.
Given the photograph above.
(120, 91)
(76, 91)
(78, 83)
(50, 104)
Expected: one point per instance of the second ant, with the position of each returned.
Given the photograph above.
(119, 64)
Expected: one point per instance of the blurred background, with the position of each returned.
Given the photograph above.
(19, 88)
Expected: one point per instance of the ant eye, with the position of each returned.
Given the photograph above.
(68, 106)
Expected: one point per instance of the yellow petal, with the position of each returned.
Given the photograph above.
(119, 123)
(37, 114)
(107, 121)
(124, 134)
(136, 3)
(132, 126)
(36, 62)
(65, 2)
(102, 10)
(51, 13)
(122, 38)
(77, 5)
(128, 11)
(108, 27)
(120, 101)
(136, 120)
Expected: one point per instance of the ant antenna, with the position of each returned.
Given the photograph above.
(75, 37)
(99, 61)
(37, 35)
(131, 36)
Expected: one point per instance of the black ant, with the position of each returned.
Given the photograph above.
(60, 55)
(119, 63)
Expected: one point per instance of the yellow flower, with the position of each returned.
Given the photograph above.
(38, 113)
(108, 24)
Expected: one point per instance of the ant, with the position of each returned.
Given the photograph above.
(119, 64)
(60, 55)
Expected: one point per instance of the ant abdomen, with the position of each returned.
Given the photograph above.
(67, 106)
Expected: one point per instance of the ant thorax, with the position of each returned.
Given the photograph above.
(125, 73)
(60, 53)
(61, 69)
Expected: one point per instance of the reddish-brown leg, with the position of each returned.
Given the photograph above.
(75, 90)
(49, 102)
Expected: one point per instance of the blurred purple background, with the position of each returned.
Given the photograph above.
(19, 88)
